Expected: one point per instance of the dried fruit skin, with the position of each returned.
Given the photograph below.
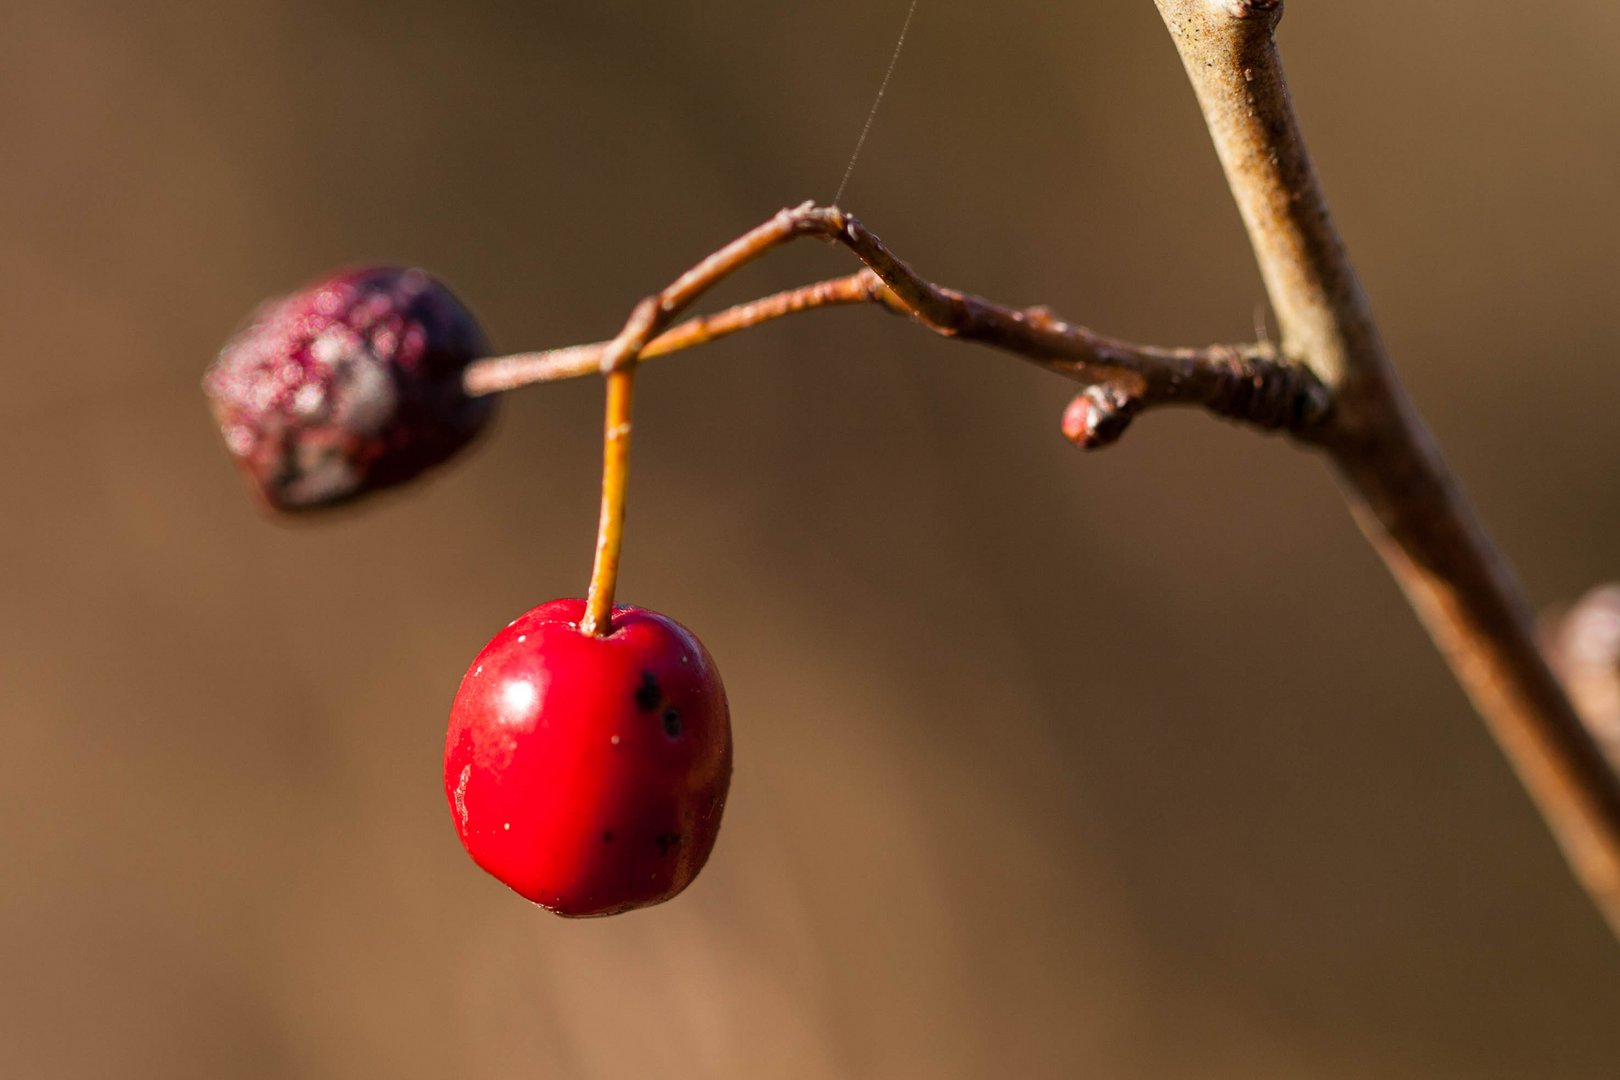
(589, 773)
(348, 386)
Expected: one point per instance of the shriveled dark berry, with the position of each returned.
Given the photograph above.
(348, 386)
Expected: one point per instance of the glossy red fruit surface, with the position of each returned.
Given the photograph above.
(589, 773)
(348, 386)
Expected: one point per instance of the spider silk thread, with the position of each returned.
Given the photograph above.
(871, 115)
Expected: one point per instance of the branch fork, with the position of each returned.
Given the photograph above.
(1249, 383)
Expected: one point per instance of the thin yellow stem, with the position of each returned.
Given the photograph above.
(615, 477)
(499, 373)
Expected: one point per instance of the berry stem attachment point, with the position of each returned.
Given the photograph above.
(597, 621)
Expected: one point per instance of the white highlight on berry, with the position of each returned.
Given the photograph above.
(308, 399)
(370, 400)
(322, 474)
(517, 701)
(330, 347)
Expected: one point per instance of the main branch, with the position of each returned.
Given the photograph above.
(1404, 496)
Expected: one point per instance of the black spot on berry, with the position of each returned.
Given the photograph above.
(667, 842)
(607, 838)
(648, 695)
(672, 722)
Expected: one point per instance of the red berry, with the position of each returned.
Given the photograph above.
(350, 385)
(589, 773)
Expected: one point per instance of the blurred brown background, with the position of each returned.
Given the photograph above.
(1131, 764)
